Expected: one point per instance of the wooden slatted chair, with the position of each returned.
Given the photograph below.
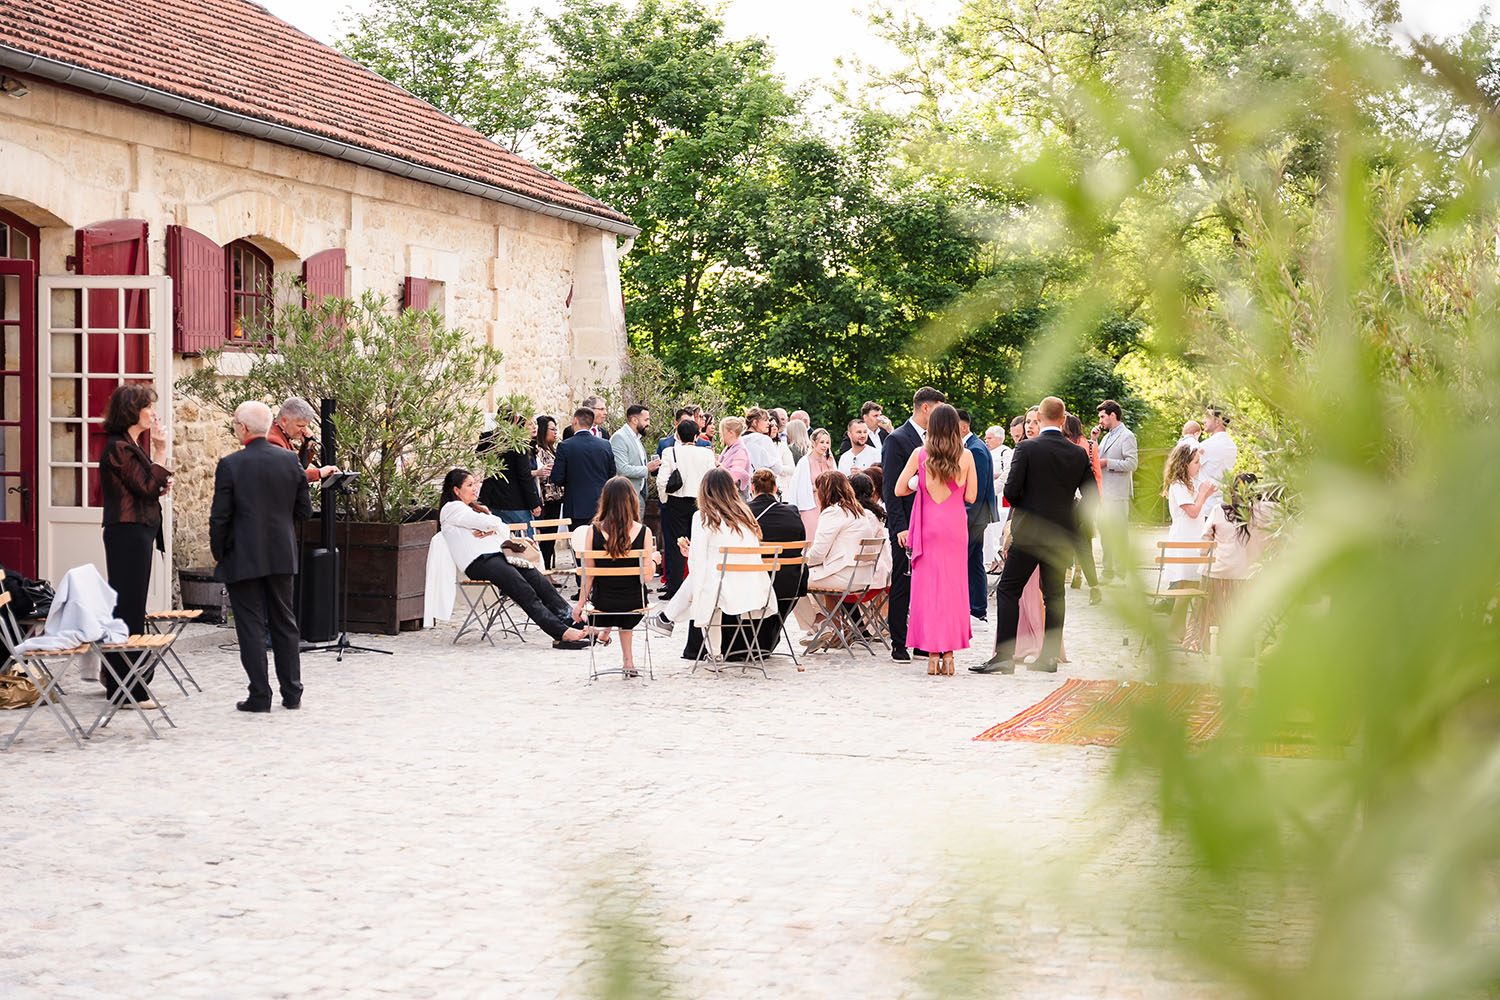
(588, 571)
(558, 531)
(45, 669)
(1200, 554)
(840, 627)
(746, 625)
(785, 554)
(173, 623)
(139, 652)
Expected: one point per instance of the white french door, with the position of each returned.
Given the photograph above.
(94, 334)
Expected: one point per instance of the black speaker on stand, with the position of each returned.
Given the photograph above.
(319, 578)
(324, 590)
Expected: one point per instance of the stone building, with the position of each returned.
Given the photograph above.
(160, 159)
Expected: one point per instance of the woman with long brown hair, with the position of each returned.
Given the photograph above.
(843, 525)
(939, 539)
(618, 601)
(722, 520)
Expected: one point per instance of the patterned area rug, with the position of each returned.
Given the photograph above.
(1101, 713)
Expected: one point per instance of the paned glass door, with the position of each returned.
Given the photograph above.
(97, 333)
(18, 460)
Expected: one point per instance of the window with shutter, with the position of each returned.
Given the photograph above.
(323, 277)
(251, 280)
(195, 263)
(416, 294)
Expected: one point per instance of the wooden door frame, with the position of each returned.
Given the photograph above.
(28, 413)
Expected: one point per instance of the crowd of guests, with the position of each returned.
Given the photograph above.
(933, 494)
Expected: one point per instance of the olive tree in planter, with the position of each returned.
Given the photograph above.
(410, 395)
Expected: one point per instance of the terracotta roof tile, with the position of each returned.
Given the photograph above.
(235, 56)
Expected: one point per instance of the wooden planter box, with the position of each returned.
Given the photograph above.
(385, 573)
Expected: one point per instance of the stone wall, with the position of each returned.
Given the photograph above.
(71, 160)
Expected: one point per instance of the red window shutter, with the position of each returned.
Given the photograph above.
(323, 277)
(416, 294)
(200, 315)
(117, 248)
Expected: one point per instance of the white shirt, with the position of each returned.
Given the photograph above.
(459, 522)
(1219, 453)
(763, 452)
(1000, 459)
(692, 461)
(1190, 440)
(850, 463)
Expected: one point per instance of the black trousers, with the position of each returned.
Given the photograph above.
(551, 511)
(899, 609)
(532, 592)
(676, 522)
(1019, 565)
(260, 604)
(127, 564)
(1083, 544)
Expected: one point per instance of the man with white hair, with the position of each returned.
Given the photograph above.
(260, 492)
(290, 432)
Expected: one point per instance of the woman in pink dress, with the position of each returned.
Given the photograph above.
(939, 540)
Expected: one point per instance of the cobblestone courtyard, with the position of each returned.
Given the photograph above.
(457, 821)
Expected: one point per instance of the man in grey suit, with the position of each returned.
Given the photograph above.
(630, 450)
(260, 492)
(1118, 460)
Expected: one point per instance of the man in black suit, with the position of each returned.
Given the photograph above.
(584, 464)
(898, 447)
(259, 492)
(779, 522)
(1045, 474)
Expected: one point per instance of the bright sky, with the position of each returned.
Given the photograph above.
(810, 35)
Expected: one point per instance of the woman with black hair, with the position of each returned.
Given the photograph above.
(132, 483)
(543, 456)
(474, 537)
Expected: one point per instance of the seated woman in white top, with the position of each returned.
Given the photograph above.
(474, 536)
(842, 526)
(722, 521)
(1187, 499)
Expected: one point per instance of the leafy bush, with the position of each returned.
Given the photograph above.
(410, 393)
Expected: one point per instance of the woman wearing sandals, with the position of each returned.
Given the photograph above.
(617, 601)
(939, 540)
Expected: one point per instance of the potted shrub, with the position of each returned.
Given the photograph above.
(410, 395)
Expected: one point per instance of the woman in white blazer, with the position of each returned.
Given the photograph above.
(843, 524)
(722, 520)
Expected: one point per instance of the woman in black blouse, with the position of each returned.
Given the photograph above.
(133, 482)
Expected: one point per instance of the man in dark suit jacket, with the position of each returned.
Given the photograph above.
(897, 448)
(1045, 473)
(259, 492)
(982, 513)
(584, 464)
(779, 522)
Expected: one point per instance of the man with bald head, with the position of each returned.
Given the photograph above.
(260, 492)
(1046, 473)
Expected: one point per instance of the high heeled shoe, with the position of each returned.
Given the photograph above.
(934, 664)
(947, 664)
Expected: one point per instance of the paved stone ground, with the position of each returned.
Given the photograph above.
(462, 821)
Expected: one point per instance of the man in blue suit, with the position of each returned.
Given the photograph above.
(584, 464)
(982, 512)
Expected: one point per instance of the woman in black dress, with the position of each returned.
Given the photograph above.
(132, 482)
(617, 601)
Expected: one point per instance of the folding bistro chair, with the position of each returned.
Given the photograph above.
(587, 571)
(173, 623)
(840, 627)
(786, 554)
(139, 653)
(45, 669)
(746, 625)
(555, 530)
(1200, 554)
(488, 608)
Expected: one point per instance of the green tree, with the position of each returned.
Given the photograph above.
(662, 117)
(470, 59)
